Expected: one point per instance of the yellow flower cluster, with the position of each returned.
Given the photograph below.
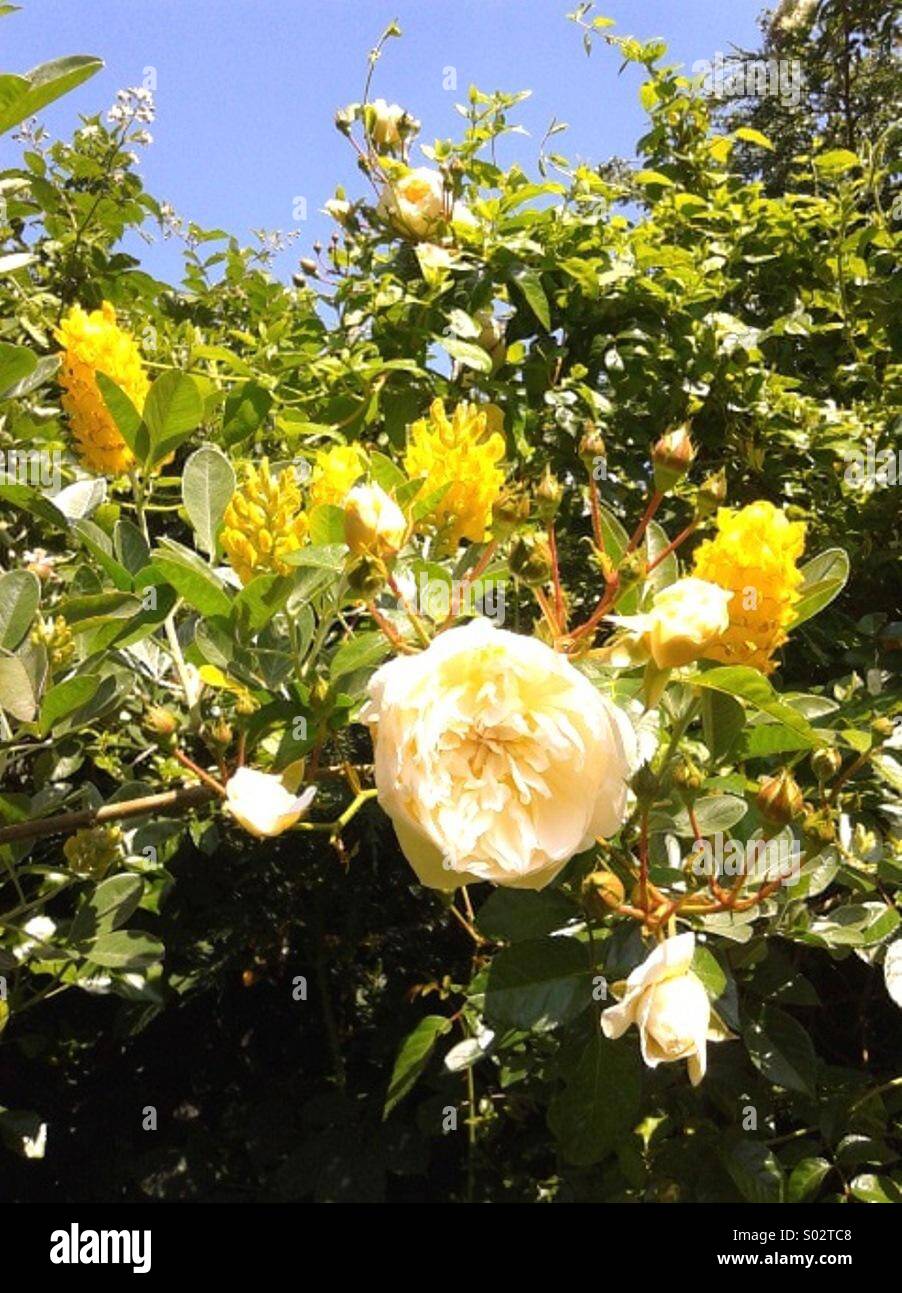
(754, 555)
(334, 473)
(263, 523)
(93, 342)
(462, 453)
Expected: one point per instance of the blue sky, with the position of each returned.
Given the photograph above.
(246, 90)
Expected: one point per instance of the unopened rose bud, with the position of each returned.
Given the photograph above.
(530, 560)
(602, 890)
(319, 695)
(374, 524)
(591, 446)
(308, 265)
(160, 721)
(779, 798)
(711, 494)
(819, 828)
(509, 512)
(644, 784)
(882, 728)
(549, 493)
(219, 734)
(687, 775)
(672, 457)
(633, 568)
(825, 763)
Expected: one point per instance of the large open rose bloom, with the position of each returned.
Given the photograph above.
(670, 1007)
(496, 759)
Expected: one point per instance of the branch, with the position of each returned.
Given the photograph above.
(171, 800)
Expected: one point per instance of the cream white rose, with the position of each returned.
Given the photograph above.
(415, 204)
(496, 759)
(262, 804)
(386, 121)
(374, 523)
(670, 1007)
(684, 620)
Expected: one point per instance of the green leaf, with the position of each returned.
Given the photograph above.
(538, 984)
(173, 408)
(511, 915)
(257, 602)
(413, 1057)
(781, 1050)
(20, 593)
(130, 547)
(870, 1188)
(126, 949)
(751, 686)
(723, 718)
(23, 96)
(752, 136)
(713, 813)
(754, 1169)
(330, 556)
(823, 579)
(208, 482)
(98, 543)
(64, 698)
(16, 363)
(836, 161)
(19, 692)
(467, 353)
(109, 906)
(327, 525)
(244, 411)
(600, 1103)
(363, 651)
(83, 614)
(125, 415)
(806, 1178)
(529, 282)
(191, 578)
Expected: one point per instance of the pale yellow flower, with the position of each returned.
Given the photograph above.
(260, 802)
(496, 759)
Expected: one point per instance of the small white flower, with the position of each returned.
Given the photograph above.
(670, 1007)
(260, 802)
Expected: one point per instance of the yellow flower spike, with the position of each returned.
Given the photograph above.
(263, 523)
(462, 453)
(755, 555)
(335, 472)
(93, 342)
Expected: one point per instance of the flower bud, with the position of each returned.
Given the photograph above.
(509, 511)
(819, 828)
(711, 494)
(374, 524)
(644, 784)
(825, 763)
(159, 721)
(602, 890)
(220, 734)
(672, 457)
(308, 265)
(882, 728)
(591, 446)
(632, 568)
(688, 775)
(90, 852)
(779, 798)
(530, 560)
(549, 493)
